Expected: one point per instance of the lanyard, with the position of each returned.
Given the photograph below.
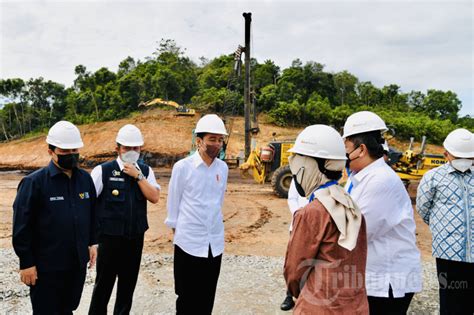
(350, 188)
(333, 182)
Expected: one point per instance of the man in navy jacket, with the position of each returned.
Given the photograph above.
(54, 225)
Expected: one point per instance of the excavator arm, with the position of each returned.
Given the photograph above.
(180, 109)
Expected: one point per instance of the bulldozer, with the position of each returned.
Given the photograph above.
(181, 110)
(270, 164)
(411, 166)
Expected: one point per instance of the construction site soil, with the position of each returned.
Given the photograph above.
(256, 221)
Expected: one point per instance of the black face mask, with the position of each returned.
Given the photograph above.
(68, 161)
(298, 186)
(348, 161)
(299, 189)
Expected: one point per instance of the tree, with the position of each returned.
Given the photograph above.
(345, 84)
(415, 100)
(369, 95)
(389, 94)
(267, 98)
(126, 66)
(265, 74)
(14, 91)
(440, 104)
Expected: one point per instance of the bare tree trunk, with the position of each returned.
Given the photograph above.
(23, 116)
(18, 120)
(4, 131)
(95, 105)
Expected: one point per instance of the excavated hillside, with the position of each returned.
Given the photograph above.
(167, 139)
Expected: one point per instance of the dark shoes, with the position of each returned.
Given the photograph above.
(287, 304)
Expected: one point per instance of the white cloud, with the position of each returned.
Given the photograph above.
(418, 45)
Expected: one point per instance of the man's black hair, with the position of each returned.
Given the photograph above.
(373, 140)
(201, 134)
(51, 147)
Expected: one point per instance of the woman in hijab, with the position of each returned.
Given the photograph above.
(326, 255)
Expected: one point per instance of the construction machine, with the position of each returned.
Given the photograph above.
(270, 164)
(181, 110)
(411, 166)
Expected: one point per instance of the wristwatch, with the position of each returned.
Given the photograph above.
(140, 177)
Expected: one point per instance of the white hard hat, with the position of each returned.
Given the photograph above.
(460, 143)
(361, 122)
(211, 124)
(320, 141)
(130, 136)
(64, 135)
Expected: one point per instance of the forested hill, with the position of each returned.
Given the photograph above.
(299, 95)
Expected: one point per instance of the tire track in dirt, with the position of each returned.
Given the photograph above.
(245, 231)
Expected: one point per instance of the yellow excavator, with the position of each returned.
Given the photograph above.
(411, 166)
(181, 110)
(270, 164)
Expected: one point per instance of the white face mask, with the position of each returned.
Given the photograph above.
(130, 156)
(462, 165)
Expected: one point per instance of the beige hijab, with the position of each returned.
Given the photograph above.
(335, 199)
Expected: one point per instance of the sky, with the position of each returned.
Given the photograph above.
(418, 45)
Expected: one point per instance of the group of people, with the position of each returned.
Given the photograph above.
(352, 250)
(65, 219)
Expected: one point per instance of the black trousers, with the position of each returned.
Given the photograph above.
(390, 305)
(195, 282)
(456, 287)
(118, 257)
(57, 292)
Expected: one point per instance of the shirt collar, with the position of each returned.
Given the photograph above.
(55, 170)
(120, 163)
(449, 167)
(197, 159)
(359, 176)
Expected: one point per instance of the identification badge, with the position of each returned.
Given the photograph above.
(117, 179)
(115, 173)
(84, 195)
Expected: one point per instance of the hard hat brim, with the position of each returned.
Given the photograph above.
(68, 146)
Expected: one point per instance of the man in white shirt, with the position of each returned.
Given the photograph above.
(195, 197)
(393, 272)
(295, 202)
(123, 188)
